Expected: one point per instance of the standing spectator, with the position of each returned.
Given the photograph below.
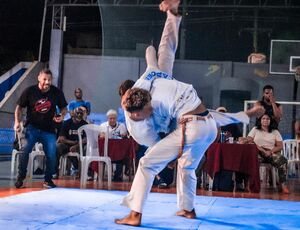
(78, 102)
(116, 130)
(40, 101)
(269, 103)
(269, 142)
(68, 140)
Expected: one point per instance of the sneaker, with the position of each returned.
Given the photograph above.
(19, 183)
(162, 184)
(74, 172)
(49, 184)
(55, 176)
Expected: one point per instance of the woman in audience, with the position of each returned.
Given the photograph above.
(269, 142)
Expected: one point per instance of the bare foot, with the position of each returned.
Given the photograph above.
(133, 219)
(171, 5)
(256, 111)
(187, 214)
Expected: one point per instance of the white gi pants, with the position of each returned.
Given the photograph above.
(199, 135)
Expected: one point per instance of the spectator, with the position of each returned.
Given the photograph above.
(269, 142)
(40, 101)
(269, 103)
(85, 113)
(231, 130)
(116, 130)
(68, 140)
(78, 102)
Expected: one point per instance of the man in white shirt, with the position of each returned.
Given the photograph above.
(159, 103)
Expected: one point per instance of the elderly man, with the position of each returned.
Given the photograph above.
(155, 104)
(40, 101)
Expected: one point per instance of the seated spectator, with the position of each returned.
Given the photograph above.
(116, 130)
(78, 102)
(68, 140)
(85, 113)
(231, 130)
(269, 142)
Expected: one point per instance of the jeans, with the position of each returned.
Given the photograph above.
(31, 136)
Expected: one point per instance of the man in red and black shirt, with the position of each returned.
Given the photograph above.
(40, 101)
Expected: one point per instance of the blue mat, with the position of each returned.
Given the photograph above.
(62, 208)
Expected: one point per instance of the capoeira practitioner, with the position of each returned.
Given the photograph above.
(151, 106)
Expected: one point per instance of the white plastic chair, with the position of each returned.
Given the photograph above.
(63, 162)
(264, 174)
(37, 151)
(291, 152)
(92, 153)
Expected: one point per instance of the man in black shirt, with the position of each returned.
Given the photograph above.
(68, 140)
(269, 103)
(40, 101)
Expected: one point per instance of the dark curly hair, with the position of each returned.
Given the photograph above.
(125, 85)
(136, 99)
(272, 125)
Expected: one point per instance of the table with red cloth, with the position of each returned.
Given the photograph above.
(118, 150)
(234, 157)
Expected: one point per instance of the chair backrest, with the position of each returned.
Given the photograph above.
(92, 132)
(291, 149)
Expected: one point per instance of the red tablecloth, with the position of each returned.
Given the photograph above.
(234, 157)
(119, 149)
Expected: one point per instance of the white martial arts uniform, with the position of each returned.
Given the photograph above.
(171, 99)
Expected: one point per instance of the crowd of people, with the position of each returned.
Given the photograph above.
(165, 116)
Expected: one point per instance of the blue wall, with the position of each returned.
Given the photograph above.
(9, 83)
